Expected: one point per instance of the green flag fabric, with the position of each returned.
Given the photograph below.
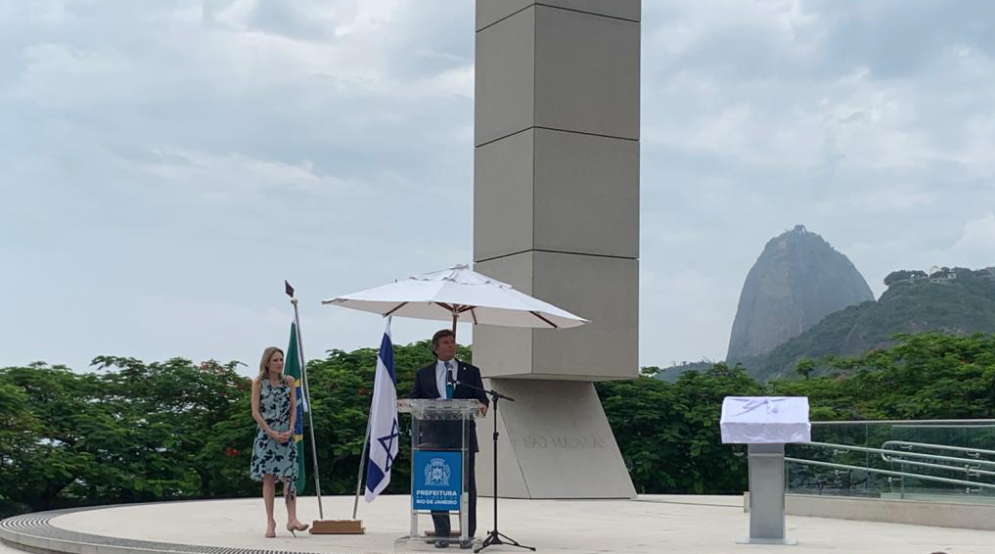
(292, 367)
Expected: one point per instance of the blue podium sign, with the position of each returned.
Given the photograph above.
(437, 477)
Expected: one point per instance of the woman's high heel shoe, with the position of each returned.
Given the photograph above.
(299, 527)
(271, 531)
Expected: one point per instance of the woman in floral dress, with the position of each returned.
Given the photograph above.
(274, 452)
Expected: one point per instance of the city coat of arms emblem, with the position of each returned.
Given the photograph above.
(437, 473)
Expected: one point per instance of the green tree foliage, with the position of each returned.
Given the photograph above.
(132, 431)
(925, 376)
(137, 433)
(18, 432)
(669, 432)
(805, 368)
(903, 275)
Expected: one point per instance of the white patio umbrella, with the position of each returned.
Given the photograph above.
(459, 294)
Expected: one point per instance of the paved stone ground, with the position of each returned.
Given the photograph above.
(4, 549)
(651, 524)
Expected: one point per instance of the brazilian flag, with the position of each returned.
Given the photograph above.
(292, 366)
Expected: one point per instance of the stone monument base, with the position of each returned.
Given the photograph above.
(555, 442)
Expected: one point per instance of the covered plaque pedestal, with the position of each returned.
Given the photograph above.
(766, 424)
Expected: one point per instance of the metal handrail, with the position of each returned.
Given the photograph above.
(940, 447)
(969, 471)
(895, 473)
(893, 452)
(927, 422)
(942, 426)
(969, 465)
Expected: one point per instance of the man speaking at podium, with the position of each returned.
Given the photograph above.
(447, 378)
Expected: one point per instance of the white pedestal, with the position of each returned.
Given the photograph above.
(766, 424)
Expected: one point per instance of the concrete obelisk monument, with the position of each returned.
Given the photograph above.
(556, 214)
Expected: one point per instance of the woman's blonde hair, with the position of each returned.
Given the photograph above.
(264, 363)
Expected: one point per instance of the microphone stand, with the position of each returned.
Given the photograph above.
(493, 537)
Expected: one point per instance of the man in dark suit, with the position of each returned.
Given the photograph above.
(448, 377)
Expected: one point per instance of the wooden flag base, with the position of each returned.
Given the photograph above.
(338, 527)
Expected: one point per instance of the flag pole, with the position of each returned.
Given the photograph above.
(362, 462)
(307, 395)
(320, 526)
(362, 453)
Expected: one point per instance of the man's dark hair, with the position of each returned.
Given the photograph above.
(438, 336)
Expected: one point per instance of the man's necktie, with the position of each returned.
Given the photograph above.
(449, 380)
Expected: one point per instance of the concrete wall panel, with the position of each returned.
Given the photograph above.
(503, 173)
(505, 78)
(490, 12)
(624, 9)
(590, 207)
(602, 289)
(586, 73)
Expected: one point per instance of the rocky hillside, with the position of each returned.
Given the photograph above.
(957, 301)
(797, 281)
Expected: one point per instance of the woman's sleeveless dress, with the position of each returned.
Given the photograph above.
(269, 456)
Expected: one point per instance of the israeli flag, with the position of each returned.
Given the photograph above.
(383, 421)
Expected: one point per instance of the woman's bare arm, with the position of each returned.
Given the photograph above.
(292, 383)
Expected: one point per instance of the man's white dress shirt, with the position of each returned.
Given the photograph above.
(440, 375)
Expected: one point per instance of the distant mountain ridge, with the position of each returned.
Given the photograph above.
(798, 280)
(672, 373)
(956, 301)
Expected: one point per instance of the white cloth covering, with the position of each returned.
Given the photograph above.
(765, 419)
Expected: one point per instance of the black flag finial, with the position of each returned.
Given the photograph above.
(289, 289)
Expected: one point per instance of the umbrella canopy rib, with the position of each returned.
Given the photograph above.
(548, 322)
(450, 309)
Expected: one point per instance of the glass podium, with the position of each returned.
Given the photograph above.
(440, 442)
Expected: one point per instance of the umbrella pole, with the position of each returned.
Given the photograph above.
(455, 317)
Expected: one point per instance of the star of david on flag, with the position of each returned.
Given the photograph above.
(383, 421)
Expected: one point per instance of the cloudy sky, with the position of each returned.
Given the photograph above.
(165, 165)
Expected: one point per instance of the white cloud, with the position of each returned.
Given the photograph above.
(976, 246)
(199, 152)
(57, 74)
(226, 177)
